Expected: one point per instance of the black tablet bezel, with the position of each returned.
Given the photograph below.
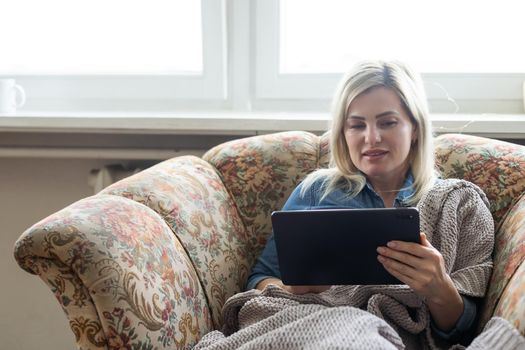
(338, 246)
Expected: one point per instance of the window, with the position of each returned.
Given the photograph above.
(116, 54)
(469, 51)
(126, 37)
(324, 36)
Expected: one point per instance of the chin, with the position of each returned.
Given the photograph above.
(375, 171)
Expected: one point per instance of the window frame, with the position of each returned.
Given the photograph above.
(446, 92)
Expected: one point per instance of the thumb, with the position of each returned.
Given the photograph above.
(424, 240)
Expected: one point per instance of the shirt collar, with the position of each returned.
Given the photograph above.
(407, 190)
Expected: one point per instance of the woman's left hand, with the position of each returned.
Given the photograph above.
(420, 266)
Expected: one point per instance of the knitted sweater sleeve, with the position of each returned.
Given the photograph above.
(459, 224)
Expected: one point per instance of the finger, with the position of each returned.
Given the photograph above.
(298, 289)
(400, 268)
(307, 289)
(320, 289)
(415, 249)
(400, 276)
(406, 258)
(424, 240)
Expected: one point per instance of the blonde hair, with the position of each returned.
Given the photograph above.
(408, 86)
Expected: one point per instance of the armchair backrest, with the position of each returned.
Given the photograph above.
(497, 167)
(261, 172)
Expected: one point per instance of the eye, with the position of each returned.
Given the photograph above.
(388, 123)
(356, 126)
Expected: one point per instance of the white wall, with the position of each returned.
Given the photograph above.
(31, 189)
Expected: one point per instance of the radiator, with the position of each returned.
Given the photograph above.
(101, 178)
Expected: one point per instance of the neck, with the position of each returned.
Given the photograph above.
(387, 189)
(388, 199)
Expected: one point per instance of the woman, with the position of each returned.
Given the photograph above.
(382, 156)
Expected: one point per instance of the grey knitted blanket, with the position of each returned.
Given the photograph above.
(456, 219)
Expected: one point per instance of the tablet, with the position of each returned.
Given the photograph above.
(338, 246)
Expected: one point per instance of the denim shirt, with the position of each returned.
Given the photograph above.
(267, 265)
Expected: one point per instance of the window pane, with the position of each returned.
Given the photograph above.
(101, 37)
(326, 36)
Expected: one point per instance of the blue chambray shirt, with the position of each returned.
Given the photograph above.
(267, 265)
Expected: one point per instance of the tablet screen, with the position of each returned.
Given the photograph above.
(338, 246)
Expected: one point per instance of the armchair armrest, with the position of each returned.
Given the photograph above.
(120, 274)
(188, 194)
(506, 293)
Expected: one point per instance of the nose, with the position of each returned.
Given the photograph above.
(372, 136)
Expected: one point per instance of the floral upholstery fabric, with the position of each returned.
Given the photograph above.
(149, 262)
(497, 167)
(190, 197)
(120, 274)
(75, 300)
(260, 173)
(507, 287)
(512, 303)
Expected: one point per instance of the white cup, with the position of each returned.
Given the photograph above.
(12, 96)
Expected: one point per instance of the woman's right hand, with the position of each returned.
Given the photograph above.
(291, 289)
(305, 289)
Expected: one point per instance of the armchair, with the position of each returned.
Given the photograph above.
(148, 262)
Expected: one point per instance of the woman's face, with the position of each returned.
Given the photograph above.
(379, 134)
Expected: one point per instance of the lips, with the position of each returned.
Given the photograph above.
(375, 153)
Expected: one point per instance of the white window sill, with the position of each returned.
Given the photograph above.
(510, 126)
